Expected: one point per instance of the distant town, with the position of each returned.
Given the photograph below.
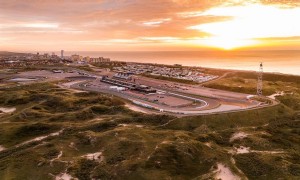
(122, 69)
(46, 59)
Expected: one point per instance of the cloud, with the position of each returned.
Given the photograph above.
(156, 22)
(285, 3)
(88, 22)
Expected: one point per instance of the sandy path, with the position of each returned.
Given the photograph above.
(225, 173)
(2, 148)
(7, 110)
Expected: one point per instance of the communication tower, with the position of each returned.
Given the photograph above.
(62, 54)
(259, 80)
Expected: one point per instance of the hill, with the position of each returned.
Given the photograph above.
(55, 133)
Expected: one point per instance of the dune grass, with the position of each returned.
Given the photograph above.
(246, 82)
(139, 146)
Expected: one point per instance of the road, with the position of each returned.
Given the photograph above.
(226, 96)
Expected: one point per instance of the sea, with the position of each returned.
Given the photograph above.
(279, 61)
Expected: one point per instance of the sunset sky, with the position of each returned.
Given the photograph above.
(140, 25)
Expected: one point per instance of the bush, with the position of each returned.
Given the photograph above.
(294, 169)
(34, 130)
(51, 153)
(147, 119)
(100, 109)
(252, 165)
(82, 115)
(83, 169)
(102, 126)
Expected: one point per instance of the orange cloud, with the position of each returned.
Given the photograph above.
(138, 25)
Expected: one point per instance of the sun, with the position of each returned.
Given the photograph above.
(228, 43)
(248, 25)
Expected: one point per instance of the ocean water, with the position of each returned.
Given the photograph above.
(282, 61)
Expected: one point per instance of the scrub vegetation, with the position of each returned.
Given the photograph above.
(245, 82)
(94, 136)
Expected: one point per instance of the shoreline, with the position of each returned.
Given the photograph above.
(217, 59)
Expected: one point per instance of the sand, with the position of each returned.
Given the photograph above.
(242, 150)
(238, 135)
(2, 148)
(40, 138)
(7, 110)
(273, 96)
(225, 173)
(64, 176)
(94, 156)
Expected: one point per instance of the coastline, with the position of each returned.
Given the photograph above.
(283, 61)
(279, 62)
